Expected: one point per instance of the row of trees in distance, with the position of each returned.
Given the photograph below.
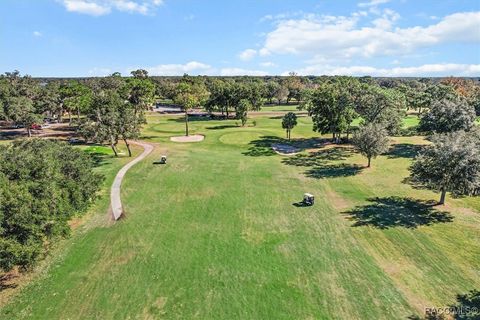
(333, 102)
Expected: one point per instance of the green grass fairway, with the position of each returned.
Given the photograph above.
(281, 107)
(411, 121)
(215, 234)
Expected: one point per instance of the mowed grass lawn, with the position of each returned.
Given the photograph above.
(215, 234)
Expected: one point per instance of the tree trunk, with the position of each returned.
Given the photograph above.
(78, 114)
(128, 147)
(442, 197)
(29, 131)
(69, 118)
(114, 149)
(369, 161)
(186, 123)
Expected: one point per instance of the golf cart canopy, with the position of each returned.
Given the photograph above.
(308, 195)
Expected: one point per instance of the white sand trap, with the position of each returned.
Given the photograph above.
(194, 138)
(285, 149)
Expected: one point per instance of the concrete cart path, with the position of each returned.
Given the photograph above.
(115, 201)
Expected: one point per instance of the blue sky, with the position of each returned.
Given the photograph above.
(241, 37)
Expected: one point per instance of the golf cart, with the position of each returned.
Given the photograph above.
(308, 199)
(163, 160)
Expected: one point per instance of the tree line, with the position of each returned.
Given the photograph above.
(111, 109)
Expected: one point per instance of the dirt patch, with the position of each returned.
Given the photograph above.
(194, 138)
(285, 149)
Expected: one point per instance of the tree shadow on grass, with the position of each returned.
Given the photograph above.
(334, 171)
(320, 166)
(404, 150)
(319, 158)
(384, 213)
(298, 113)
(263, 146)
(225, 126)
(191, 118)
(99, 158)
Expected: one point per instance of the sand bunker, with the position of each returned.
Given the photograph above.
(284, 149)
(193, 138)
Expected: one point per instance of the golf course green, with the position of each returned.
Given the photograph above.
(217, 233)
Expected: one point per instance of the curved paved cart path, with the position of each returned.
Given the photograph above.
(115, 201)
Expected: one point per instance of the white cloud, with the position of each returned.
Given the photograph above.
(344, 37)
(264, 52)
(268, 64)
(192, 67)
(241, 72)
(130, 6)
(37, 33)
(99, 72)
(441, 70)
(103, 7)
(387, 19)
(86, 7)
(372, 3)
(247, 54)
(280, 16)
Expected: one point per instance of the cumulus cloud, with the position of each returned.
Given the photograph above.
(103, 7)
(372, 3)
(247, 54)
(99, 72)
(343, 37)
(241, 72)
(192, 67)
(440, 70)
(267, 64)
